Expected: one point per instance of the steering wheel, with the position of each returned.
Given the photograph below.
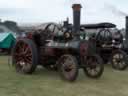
(104, 36)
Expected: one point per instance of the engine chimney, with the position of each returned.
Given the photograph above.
(126, 34)
(76, 19)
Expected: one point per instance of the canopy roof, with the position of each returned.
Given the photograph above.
(6, 40)
(99, 25)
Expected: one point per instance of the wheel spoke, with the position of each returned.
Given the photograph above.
(26, 50)
(28, 60)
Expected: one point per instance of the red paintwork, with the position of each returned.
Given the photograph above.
(83, 49)
(49, 51)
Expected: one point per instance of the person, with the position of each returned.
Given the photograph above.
(118, 37)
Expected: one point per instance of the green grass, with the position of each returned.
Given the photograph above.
(48, 83)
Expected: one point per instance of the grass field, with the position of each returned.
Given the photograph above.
(48, 83)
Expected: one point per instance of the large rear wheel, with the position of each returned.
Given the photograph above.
(68, 67)
(94, 66)
(25, 56)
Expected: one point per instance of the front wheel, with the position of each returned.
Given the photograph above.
(119, 60)
(68, 67)
(94, 66)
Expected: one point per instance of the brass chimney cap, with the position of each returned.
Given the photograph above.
(76, 7)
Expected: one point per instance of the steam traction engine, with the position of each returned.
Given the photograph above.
(109, 44)
(60, 48)
(110, 47)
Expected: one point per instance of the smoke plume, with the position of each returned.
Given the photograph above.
(115, 10)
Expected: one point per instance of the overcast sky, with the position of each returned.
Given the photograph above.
(93, 11)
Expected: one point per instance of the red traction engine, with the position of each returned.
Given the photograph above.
(58, 48)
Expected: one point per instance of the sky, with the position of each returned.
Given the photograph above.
(41, 11)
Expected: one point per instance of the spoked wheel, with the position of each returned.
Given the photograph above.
(119, 60)
(68, 67)
(24, 55)
(94, 66)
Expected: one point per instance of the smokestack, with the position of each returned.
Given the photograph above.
(126, 30)
(66, 23)
(76, 19)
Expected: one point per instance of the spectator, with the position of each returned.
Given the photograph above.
(118, 37)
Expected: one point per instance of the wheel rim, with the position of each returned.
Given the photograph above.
(118, 60)
(93, 66)
(22, 56)
(68, 66)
